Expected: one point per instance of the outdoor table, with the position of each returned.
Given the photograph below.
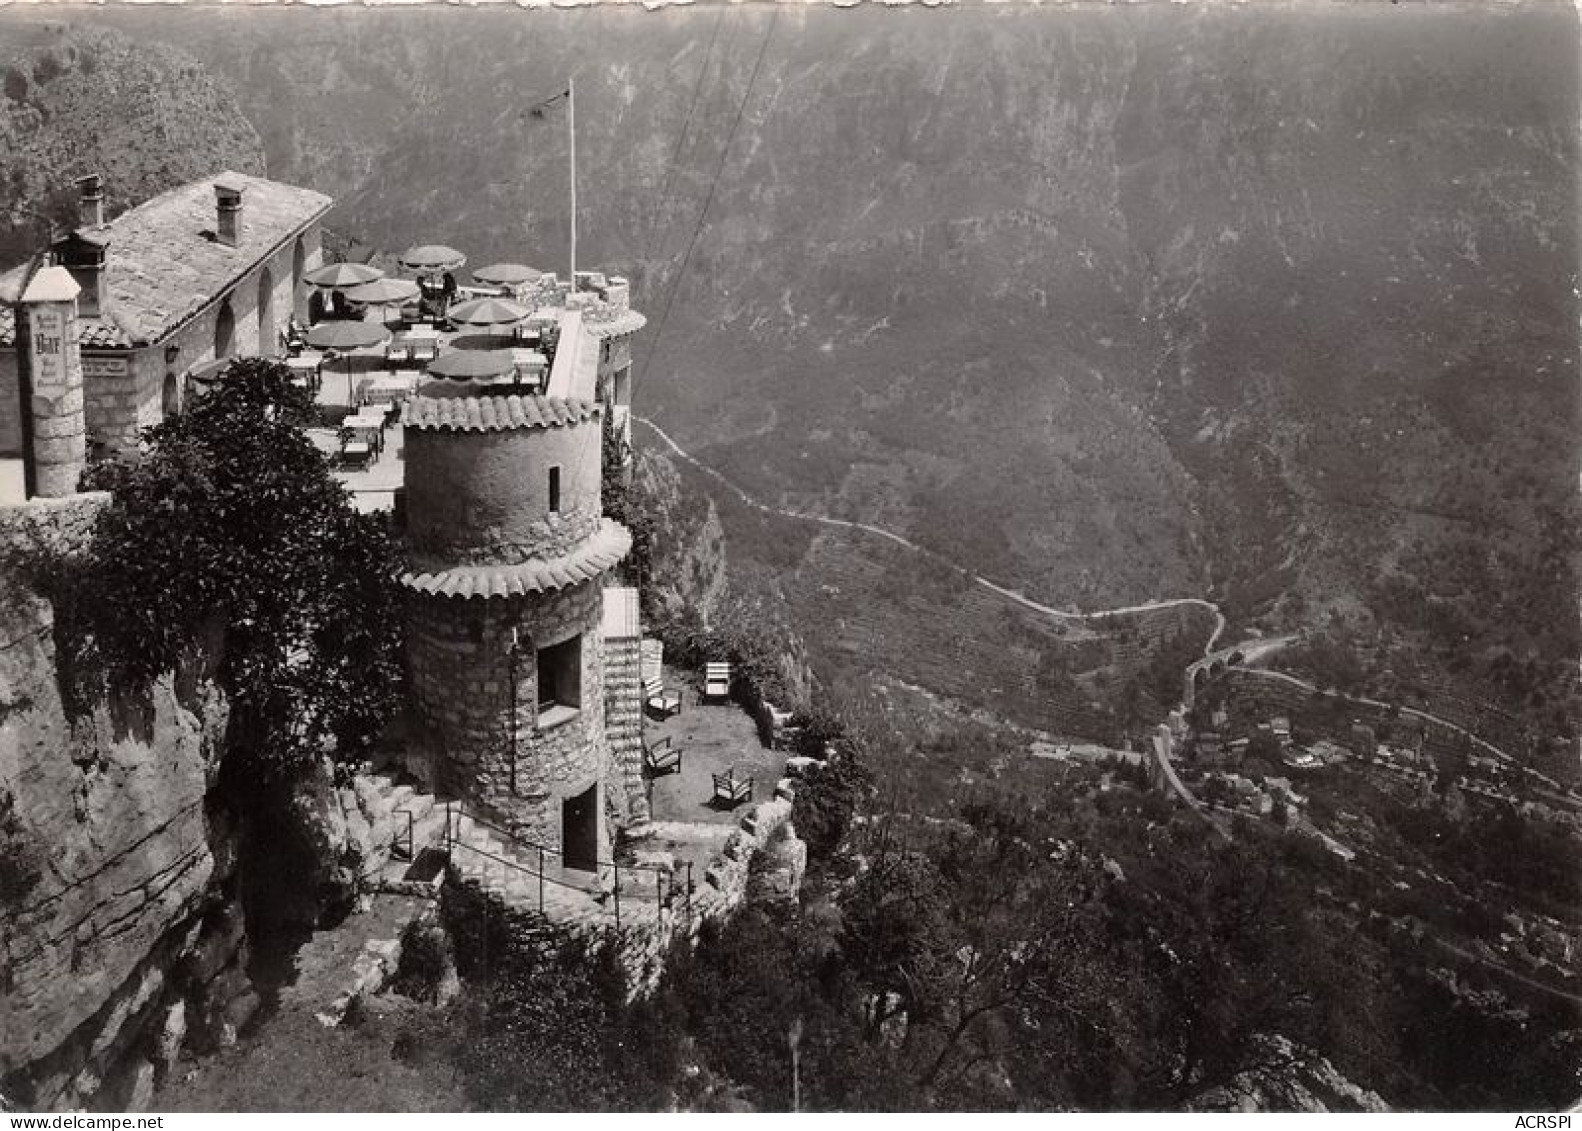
(386, 388)
(421, 342)
(366, 427)
(356, 452)
(531, 366)
(306, 367)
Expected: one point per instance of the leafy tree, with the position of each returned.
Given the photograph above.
(228, 539)
(625, 502)
(552, 1032)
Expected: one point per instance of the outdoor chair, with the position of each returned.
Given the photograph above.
(660, 700)
(732, 790)
(661, 758)
(397, 352)
(716, 681)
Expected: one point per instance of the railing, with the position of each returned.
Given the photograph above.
(664, 881)
(403, 846)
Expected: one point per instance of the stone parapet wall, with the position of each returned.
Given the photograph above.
(483, 918)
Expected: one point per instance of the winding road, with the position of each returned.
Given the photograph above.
(1061, 614)
(880, 532)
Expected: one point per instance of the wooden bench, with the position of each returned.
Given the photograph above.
(661, 758)
(731, 789)
(716, 681)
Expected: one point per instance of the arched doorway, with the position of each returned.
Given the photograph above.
(170, 399)
(268, 332)
(224, 331)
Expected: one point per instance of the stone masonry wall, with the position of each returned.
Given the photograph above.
(483, 497)
(460, 674)
(482, 920)
(120, 404)
(113, 929)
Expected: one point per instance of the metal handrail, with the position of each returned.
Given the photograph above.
(411, 839)
(663, 882)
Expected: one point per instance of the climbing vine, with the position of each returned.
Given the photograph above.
(228, 542)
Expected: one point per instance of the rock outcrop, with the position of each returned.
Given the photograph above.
(113, 939)
(687, 573)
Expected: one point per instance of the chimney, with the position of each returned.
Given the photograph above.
(83, 254)
(90, 202)
(228, 201)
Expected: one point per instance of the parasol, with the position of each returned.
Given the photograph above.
(488, 312)
(506, 274)
(347, 336)
(432, 259)
(336, 276)
(472, 365)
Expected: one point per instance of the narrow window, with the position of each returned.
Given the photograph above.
(554, 490)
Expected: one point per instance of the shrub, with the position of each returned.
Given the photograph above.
(229, 539)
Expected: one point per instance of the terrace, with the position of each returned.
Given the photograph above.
(713, 738)
(553, 351)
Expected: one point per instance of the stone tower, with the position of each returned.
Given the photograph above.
(509, 548)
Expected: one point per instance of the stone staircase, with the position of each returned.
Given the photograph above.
(623, 718)
(509, 872)
(393, 823)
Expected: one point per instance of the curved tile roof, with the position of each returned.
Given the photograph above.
(496, 413)
(626, 322)
(537, 575)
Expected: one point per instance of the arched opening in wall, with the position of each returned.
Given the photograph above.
(268, 332)
(170, 398)
(224, 331)
(299, 267)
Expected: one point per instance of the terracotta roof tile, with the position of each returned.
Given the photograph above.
(536, 575)
(626, 322)
(164, 264)
(496, 413)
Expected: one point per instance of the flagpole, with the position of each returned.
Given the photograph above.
(571, 124)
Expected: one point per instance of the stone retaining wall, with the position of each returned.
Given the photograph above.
(483, 922)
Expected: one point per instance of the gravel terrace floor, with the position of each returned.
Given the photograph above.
(712, 739)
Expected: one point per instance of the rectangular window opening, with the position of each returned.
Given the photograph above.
(560, 677)
(554, 490)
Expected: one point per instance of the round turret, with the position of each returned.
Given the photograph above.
(508, 549)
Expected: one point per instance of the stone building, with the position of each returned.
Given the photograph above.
(211, 269)
(509, 551)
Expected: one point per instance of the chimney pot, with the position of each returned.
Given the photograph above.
(228, 206)
(90, 201)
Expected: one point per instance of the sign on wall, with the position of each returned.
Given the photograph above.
(105, 366)
(50, 327)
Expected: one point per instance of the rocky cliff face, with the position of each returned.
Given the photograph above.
(115, 940)
(687, 574)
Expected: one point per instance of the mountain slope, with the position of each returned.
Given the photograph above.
(1109, 304)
